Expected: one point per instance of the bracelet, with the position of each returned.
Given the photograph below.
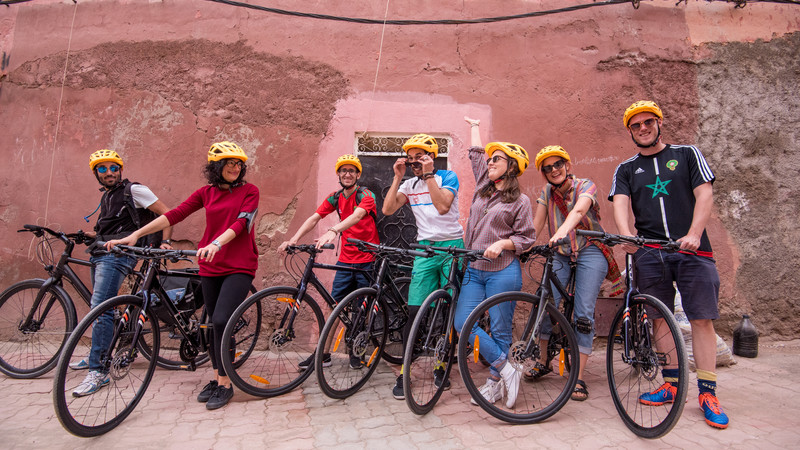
(428, 175)
(216, 242)
(334, 230)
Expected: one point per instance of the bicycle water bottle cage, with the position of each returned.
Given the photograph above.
(583, 325)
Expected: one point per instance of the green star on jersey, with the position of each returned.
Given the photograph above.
(659, 187)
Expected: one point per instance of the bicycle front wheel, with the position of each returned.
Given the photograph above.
(270, 333)
(429, 353)
(351, 343)
(90, 403)
(538, 398)
(639, 347)
(30, 348)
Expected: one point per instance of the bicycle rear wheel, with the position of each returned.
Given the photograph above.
(398, 315)
(128, 373)
(31, 350)
(429, 354)
(536, 400)
(270, 333)
(354, 337)
(638, 371)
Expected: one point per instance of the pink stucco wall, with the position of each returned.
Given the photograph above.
(160, 80)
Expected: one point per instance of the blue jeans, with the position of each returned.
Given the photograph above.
(589, 274)
(108, 273)
(345, 282)
(478, 286)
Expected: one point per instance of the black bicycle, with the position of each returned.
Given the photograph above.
(432, 340)
(37, 315)
(355, 336)
(129, 357)
(534, 317)
(644, 339)
(289, 328)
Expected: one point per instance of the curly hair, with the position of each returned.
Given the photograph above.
(213, 173)
(512, 192)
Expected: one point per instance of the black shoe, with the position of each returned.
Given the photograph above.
(208, 391)
(397, 390)
(303, 365)
(221, 396)
(438, 379)
(355, 362)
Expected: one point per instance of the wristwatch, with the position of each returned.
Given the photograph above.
(216, 242)
(167, 241)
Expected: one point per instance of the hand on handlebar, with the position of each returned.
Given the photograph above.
(129, 240)
(494, 250)
(207, 253)
(328, 238)
(286, 244)
(690, 243)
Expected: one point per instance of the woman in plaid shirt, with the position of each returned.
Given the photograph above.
(501, 223)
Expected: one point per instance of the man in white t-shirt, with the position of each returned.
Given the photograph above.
(117, 219)
(433, 197)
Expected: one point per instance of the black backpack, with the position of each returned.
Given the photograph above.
(141, 217)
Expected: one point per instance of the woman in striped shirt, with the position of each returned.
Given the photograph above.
(501, 224)
(567, 203)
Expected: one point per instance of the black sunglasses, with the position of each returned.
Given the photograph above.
(555, 166)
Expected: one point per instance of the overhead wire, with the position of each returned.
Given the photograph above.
(402, 22)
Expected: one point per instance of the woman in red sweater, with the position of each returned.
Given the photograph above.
(227, 252)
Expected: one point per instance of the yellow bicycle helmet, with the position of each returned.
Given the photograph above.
(550, 150)
(422, 142)
(640, 107)
(225, 149)
(104, 156)
(348, 159)
(513, 151)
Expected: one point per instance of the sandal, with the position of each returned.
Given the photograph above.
(580, 393)
(538, 371)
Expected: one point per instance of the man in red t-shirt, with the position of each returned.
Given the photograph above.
(356, 208)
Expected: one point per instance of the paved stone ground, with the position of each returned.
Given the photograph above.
(760, 395)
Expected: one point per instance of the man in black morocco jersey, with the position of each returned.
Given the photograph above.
(669, 190)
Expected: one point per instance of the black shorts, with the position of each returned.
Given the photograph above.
(696, 277)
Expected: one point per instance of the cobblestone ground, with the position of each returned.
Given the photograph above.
(760, 396)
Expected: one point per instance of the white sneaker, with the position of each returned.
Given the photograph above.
(80, 365)
(92, 383)
(511, 378)
(492, 391)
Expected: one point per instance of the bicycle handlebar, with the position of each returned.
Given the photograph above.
(308, 248)
(614, 239)
(545, 249)
(473, 255)
(365, 246)
(79, 238)
(149, 252)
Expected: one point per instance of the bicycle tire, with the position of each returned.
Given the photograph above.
(34, 351)
(130, 372)
(629, 380)
(265, 357)
(431, 346)
(537, 400)
(398, 316)
(355, 329)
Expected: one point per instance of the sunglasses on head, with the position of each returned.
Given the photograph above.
(104, 169)
(648, 123)
(494, 159)
(555, 166)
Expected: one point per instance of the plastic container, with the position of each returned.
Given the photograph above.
(745, 338)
